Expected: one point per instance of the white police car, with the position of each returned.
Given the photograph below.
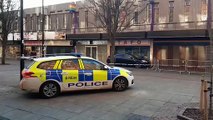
(51, 75)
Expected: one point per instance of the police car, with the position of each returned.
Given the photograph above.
(51, 75)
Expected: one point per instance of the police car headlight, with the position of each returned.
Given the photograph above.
(129, 73)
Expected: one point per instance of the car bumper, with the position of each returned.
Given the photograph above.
(130, 80)
(30, 84)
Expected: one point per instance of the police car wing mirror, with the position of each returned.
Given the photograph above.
(105, 68)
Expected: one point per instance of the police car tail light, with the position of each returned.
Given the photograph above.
(27, 74)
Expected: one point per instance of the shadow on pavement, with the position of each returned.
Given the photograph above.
(72, 93)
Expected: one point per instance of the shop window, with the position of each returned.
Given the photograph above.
(47, 65)
(70, 65)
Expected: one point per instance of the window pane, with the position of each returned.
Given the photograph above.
(70, 65)
(156, 12)
(187, 2)
(92, 65)
(88, 52)
(47, 65)
(94, 52)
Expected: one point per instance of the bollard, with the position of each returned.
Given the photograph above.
(205, 113)
(201, 96)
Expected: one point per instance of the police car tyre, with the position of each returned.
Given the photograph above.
(120, 84)
(49, 89)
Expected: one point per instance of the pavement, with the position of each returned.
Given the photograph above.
(155, 96)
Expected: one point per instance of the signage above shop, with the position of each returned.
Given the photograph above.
(32, 43)
(132, 43)
(52, 36)
(27, 36)
(47, 43)
(38, 36)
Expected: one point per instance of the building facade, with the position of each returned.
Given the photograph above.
(179, 31)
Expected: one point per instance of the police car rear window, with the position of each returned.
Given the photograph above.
(28, 64)
(71, 64)
(47, 65)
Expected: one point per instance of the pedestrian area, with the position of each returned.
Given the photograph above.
(156, 95)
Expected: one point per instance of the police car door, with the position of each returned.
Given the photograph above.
(95, 76)
(72, 75)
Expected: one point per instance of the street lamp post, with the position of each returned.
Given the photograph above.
(209, 28)
(22, 39)
(72, 9)
(42, 48)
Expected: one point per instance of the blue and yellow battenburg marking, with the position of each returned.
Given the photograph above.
(75, 76)
(54, 75)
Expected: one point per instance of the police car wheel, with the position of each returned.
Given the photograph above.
(49, 90)
(120, 84)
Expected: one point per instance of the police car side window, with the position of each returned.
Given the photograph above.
(47, 65)
(71, 64)
(92, 65)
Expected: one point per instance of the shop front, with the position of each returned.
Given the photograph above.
(138, 48)
(50, 47)
(59, 46)
(95, 49)
(181, 50)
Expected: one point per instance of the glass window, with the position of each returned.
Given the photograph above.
(92, 64)
(187, 9)
(204, 7)
(171, 11)
(187, 2)
(47, 65)
(86, 19)
(70, 65)
(136, 18)
(156, 9)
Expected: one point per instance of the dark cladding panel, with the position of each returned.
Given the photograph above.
(83, 36)
(177, 34)
(127, 35)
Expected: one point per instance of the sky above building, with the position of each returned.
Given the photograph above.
(38, 3)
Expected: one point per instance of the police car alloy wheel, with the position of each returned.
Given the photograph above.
(49, 90)
(120, 84)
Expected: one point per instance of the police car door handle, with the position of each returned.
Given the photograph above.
(88, 74)
(64, 73)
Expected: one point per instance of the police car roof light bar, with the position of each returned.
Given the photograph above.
(65, 54)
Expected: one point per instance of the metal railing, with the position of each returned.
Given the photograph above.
(187, 66)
